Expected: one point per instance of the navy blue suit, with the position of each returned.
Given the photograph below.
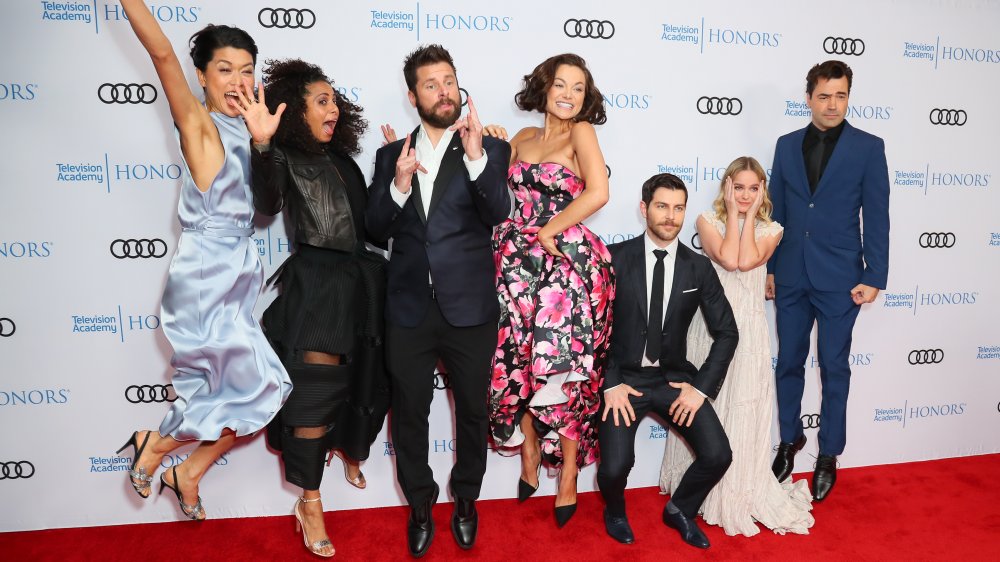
(823, 254)
(455, 321)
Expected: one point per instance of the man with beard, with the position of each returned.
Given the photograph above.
(660, 285)
(437, 195)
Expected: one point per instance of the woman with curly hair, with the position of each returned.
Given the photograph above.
(327, 323)
(555, 283)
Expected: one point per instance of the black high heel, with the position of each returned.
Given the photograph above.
(144, 486)
(564, 512)
(195, 512)
(525, 490)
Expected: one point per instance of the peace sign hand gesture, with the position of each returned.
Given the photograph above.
(260, 121)
(471, 131)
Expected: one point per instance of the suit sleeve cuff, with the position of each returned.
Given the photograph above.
(475, 167)
(397, 196)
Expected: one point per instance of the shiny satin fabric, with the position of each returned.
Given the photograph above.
(227, 375)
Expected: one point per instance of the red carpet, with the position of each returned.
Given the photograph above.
(938, 510)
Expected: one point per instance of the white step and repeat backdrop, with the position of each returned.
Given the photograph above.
(90, 183)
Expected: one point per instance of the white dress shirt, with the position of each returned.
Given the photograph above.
(668, 280)
(430, 158)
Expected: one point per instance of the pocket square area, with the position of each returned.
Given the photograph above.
(690, 290)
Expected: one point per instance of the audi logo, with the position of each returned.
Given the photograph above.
(843, 46)
(141, 248)
(463, 95)
(696, 242)
(7, 327)
(13, 470)
(609, 170)
(589, 29)
(441, 381)
(290, 18)
(925, 356)
(719, 106)
(810, 421)
(948, 117)
(149, 393)
(937, 240)
(126, 93)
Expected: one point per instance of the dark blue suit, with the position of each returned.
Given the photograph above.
(822, 256)
(455, 321)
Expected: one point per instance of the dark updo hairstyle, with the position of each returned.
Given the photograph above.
(536, 86)
(212, 37)
(287, 81)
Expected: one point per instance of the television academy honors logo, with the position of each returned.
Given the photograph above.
(843, 46)
(7, 327)
(415, 21)
(955, 117)
(25, 249)
(909, 413)
(76, 11)
(936, 240)
(697, 33)
(14, 91)
(657, 431)
(110, 171)
(919, 299)
(707, 105)
(132, 248)
(988, 352)
(120, 93)
(926, 178)
(588, 29)
(16, 470)
(34, 397)
(117, 323)
(286, 18)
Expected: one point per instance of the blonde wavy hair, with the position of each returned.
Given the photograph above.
(740, 164)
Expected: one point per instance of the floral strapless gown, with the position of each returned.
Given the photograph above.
(555, 319)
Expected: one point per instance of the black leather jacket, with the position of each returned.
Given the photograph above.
(323, 214)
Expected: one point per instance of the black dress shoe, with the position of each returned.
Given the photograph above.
(618, 528)
(420, 529)
(464, 522)
(686, 527)
(784, 461)
(825, 476)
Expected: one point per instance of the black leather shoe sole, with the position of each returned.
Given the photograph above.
(618, 528)
(689, 531)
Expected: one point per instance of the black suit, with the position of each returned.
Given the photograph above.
(456, 320)
(695, 286)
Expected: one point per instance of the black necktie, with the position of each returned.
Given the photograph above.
(816, 162)
(654, 326)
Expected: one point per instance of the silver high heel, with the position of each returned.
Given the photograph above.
(138, 478)
(318, 546)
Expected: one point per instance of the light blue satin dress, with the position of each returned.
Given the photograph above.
(227, 375)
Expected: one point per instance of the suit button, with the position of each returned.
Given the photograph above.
(428, 244)
(807, 234)
(644, 332)
(811, 205)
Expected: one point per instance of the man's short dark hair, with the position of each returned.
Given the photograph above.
(423, 56)
(666, 181)
(829, 70)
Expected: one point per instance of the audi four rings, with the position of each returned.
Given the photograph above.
(138, 248)
(7, 327)
(290, 18)
(810, 421)
(696, 241)
(843, 46)
(126, 93)
(12, 470)
(149, 393)
(441, 381)
(589, 29)
(948, 117)
(719, 106)
(937, 240)
(463, 96)
(925, 356)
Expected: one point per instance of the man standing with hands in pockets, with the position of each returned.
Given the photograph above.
(437, 195)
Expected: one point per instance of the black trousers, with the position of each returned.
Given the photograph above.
(706, 436)
(467, 354)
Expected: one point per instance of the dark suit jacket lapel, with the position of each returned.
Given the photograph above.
(840, 151)
(416, 198)
(637, 263)
(449, 165)
(799, 171)
(681, 267)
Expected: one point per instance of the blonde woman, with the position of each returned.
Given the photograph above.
(739, 237)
